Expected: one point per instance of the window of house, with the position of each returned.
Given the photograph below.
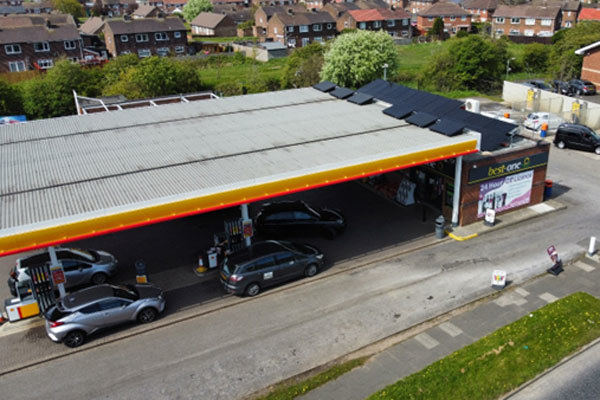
(362, 25)
(329, 26)
(318, 39)
(179, 49)
(41, 46)
(162, 51)
(568, 24)
(124, 38)
(176, 35)
(292, 42)
(514, 32)
(569, 14)
(530, 21)
(290, 29)
(16, 66)
(260, 20)
(317, 27)
(161, 36)
(452, 18)
(546, 22)
(391, 22)
(144, 53)
(404, 22)
(463, 18)
(141, 37)
(305, 41)
(73, 59)
(12, 49)
(376, 24)
(275, 30)
(499, 20)
(45, 64)
(499, 32)
(126, 52)
(70, 45)
(346, 24)
(529, 32)
(515, 20)
(430, 19)
(303, 28)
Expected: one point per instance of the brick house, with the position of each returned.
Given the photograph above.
(455, 18)
(236, 14)
(37, 42)
(146, 37)
(146, 11)
(211, 24)
(265, 3)
(480, 10)
(589, 14)
(570, 10)
(394, 22)
(300, 29)
(526, 20)
(264, 14)
(590, 69)
(237, 3)
(115, 8)
(173, 6)
(44, 7)
(415, 7)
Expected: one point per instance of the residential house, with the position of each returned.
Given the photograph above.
(8, 10)
(211, 24)
(394, 22)
(146, 11)
(455, 18)
(263, 14)
(590, 69)
(480, 10)
(300, 29)
(145, 37)
(570, 10)
(589, 14)
(237, 3)
(173, 6)
(415, 7)
(37, 42)
(90, 32)
(115, 8)
(526, 20)
(8, 3)
(337, 10)
(265, 3)
(314, 4)
(44, 7)
(237, 15)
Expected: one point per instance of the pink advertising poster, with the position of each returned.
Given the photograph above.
(505, 193)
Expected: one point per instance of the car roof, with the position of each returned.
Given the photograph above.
(84, 296)
(285, 205)
(256, 250)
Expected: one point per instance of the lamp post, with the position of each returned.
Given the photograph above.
(385, 67)
(508, 66)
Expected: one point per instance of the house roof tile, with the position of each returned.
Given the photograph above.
(305, 18)
(589, 14)
(480, 4)
(527, 11)
(208, 19)
(31, 34)
(377, 14)
(444, 9)
(143, 25)
(92, 26)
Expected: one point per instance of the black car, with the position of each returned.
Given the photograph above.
(289, 218)
(268, 263)
(581, 86)
(538, 84)
(562, 87)
(577, 136)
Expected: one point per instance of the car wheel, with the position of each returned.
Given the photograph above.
(147, 315)
(252, 289)
(311, 270)
(74, 339)
(561, 145)
(99, 278)
(597, 150)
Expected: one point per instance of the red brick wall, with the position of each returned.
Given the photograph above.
(591, 67)
(424, 24)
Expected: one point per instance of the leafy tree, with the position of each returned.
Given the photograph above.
(10, 99)
(437, 29)
(156, 76)
(354, 59)
(473, 62)
(117, 66)
(563, 62)
(534, 57)
(72, 7)
(97, 8)
(462, 33)
(195, 7)
(303, 66)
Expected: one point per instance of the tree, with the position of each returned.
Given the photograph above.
(10, 99)
(563, 62)
(117, 66)
(437, 29)
(303, 66)
(357, 58)
(195, 7)
(468, 63)
(97, 9)
(534, 57)
(72, 7)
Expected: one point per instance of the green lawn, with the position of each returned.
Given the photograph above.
(235, 72)
(509, 357)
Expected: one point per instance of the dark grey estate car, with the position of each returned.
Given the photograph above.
(577, 136)
(268, 263)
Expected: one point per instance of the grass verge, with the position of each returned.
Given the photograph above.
(285, 391)
(507, 358)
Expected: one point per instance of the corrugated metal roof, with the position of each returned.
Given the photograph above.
(77, 168)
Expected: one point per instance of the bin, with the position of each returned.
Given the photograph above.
(440, 223)
(547, 189)
(544, 130)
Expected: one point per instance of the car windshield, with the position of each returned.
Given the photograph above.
(595, 135)
(126, 292)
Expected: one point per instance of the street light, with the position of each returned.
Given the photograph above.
(385, 67)
(508, 67)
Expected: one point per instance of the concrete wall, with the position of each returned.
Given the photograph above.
(258, 53)
(587, 112)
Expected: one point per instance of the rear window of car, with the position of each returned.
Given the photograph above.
(54, 314)
(128, 292)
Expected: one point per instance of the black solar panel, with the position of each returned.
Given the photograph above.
(360, 98)
(422, 119)
(399, 110)
(324, 86)
(448, 127)
(342, 93)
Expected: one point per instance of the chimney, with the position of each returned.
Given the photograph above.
(290, 11)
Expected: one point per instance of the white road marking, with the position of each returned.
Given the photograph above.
(522, 292)
(451, 329)
(541, 208)
(548, 298)
(584, 266)
(427, 341)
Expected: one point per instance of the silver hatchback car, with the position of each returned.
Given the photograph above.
(88, 310)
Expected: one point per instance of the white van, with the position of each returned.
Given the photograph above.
(535, 120)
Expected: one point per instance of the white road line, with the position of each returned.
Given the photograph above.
(522, 292)
(584, 266)
(427, 341)
(451, 329)
(548, 298)
(541, 208)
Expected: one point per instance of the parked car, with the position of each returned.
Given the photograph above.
(88, 310)
(538, 84)
(288, 218)
(80, 266)
(581, 86)
(268, 263)
(577, 136)
(535, 120)
(562, 87)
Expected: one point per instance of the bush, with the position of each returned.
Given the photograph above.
(534, 57)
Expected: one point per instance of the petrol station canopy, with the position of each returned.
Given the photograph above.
(70, 178)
